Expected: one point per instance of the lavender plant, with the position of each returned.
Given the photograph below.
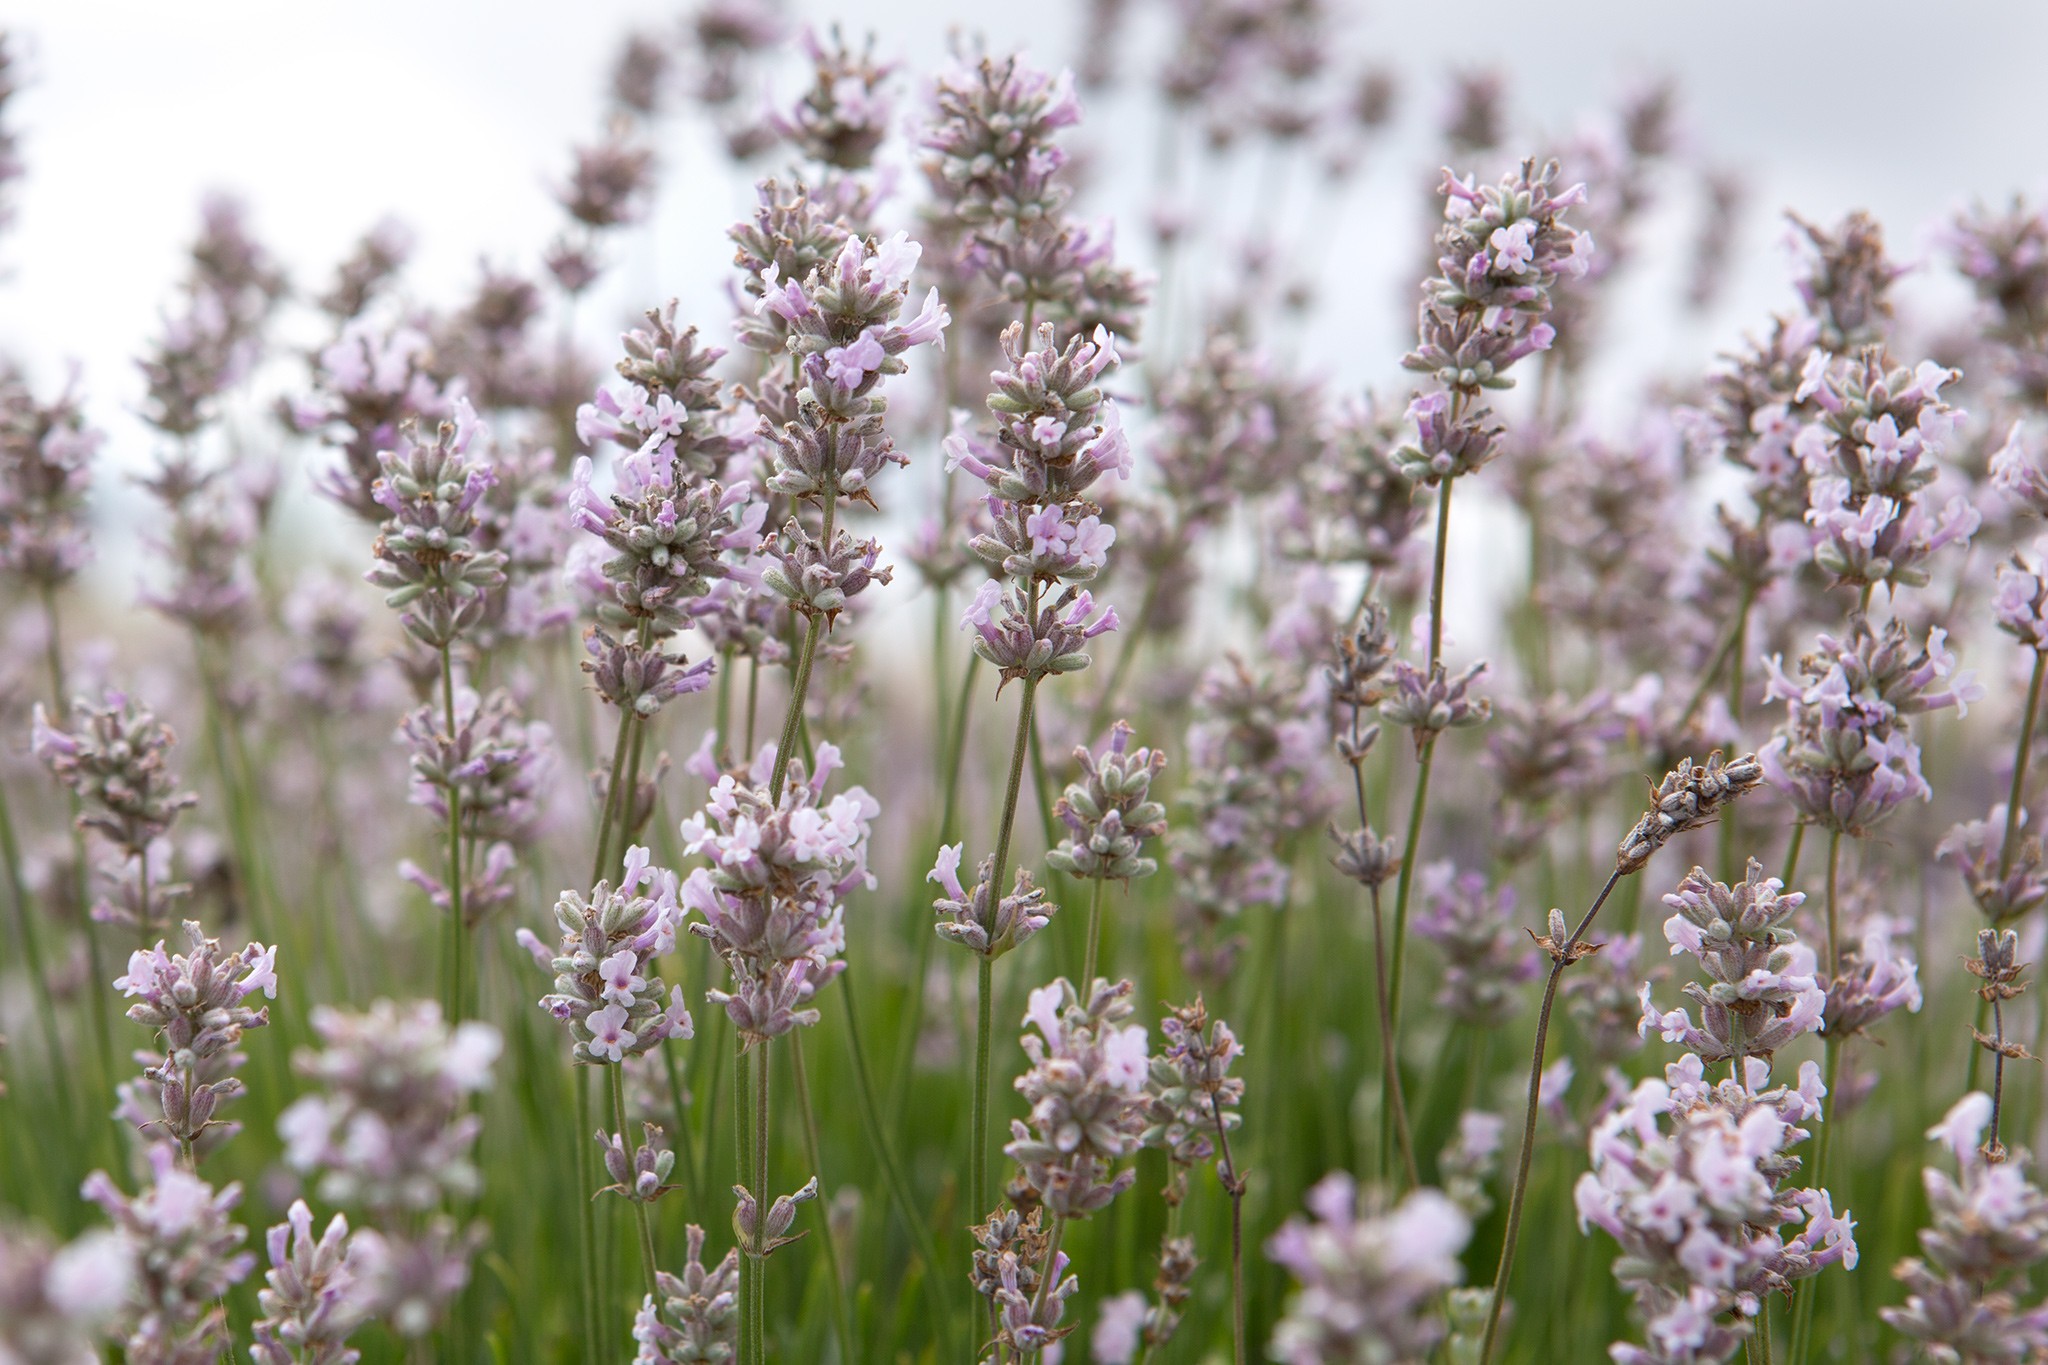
(1792, 547)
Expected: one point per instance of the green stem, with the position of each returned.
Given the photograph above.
(31, 950)
(762, 1201)
(1731, 816)
(1233, 1182)
(2010, 844)
(1561, 958)
(1390, 1063)
(617, 1076)
(1792, 851)
(1834, 929)
(743, 1131)
(721, 744)
(1802, 1313)
(984, 1000)
(458, 932)
(1404, 880)
(801, 683)
(892, 1174)
(1051, 1268)
(1094, 936)
(586, 1241)
(621, 747)
(1019, 753)
(1436, 575)
(842, 1325)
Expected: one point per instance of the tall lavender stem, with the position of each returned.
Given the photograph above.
(454, 945)
(1562, 956)
(800, 683)
(2021, 754)
(1802, 1314)
(1234, 1183)
(1421, 801)
(1020, 751)
(842, 1326)
(617, 1076)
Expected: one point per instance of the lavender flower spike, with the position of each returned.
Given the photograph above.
(606, 989)
(319, 1291)
(697, 1318)
(1370, 1277)
(1689, 796)
(1111, 814)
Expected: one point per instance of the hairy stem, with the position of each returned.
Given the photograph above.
(2021, 754)
(617, 1076)
(1094, 935)
(743, 1145)
(842, 1325)
(1809, 1293)
(1019, 754)
(586, 1218)
(801, 683)
(1560, 959)
(1233, 1182)
(458, 935)
(1392, 1101)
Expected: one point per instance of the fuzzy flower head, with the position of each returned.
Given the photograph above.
(1189, 1092)
(2006, 877)
(991, 142)
(1486, 955)
(182, 1242)
(669, 538)
(1501, 248)
(193, 1005)
(1432, 703)
(429, 560)
(1368, 1277)
(792, 230)
(1057, 429)
(1689, 796)
(391, 1129)
(1761, 990)
(606, 986)
(843, 115)
(773, 892)
(697, 1315)
(845, 321)
(670, 414)
(2020, 604)
(1876, 978)
(1693, 1181)
(496, 766)
(1110, 813)
(1086, 1088)
(46, 454)
(1844, 755)
(1025, 643)
(1988, 1228)
(116, 758)
(319, 1291)
(56, 1303)
(965, 917)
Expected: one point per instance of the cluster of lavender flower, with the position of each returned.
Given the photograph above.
(710, 517)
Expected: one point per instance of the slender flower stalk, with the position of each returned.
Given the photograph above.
(1689, 796)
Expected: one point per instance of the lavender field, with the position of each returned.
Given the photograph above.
(1190, 694)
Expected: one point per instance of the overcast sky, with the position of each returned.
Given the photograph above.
(454, 114)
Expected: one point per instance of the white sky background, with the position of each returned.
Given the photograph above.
(456, 114)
